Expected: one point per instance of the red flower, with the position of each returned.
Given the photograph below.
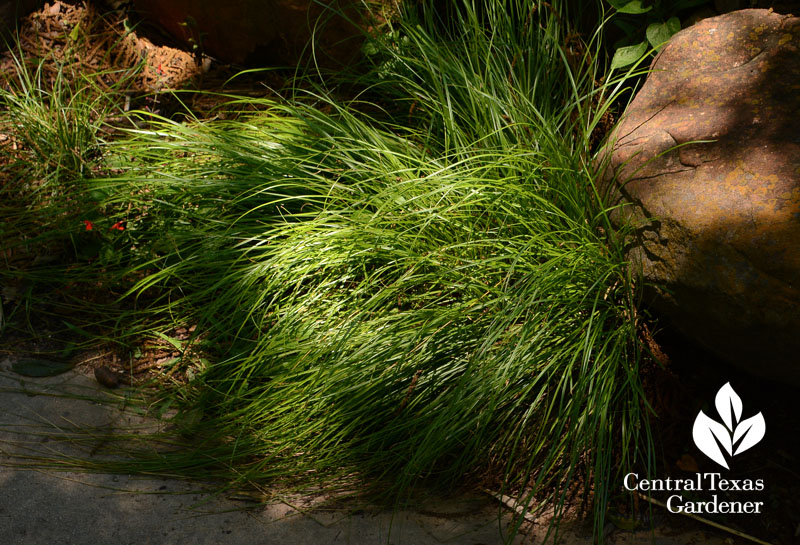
(117, 227)
(89, 225)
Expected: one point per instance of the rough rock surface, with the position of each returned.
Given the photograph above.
(273, 32)
(708, 159)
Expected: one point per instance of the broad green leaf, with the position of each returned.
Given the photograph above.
(631, 6)
(625, 56)
(98, 194)
(34, 367)
(660, 33)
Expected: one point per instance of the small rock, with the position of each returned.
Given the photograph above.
(107, 377)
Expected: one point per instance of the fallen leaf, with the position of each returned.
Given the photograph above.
(107, 377)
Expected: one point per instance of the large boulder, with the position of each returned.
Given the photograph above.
(707, 158)
(265, 32)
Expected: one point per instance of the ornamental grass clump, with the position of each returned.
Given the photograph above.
(412, 287)
(52, 124)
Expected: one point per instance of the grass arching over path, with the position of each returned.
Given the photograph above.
(417, 295)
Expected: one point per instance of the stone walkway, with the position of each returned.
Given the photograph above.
(46, 506)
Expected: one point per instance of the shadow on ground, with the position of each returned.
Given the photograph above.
(47, 506)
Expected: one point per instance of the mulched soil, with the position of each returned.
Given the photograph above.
(77, 39)
(125, 56)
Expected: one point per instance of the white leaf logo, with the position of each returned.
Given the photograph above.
(735, 436)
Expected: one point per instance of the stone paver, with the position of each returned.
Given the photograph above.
(46, 506)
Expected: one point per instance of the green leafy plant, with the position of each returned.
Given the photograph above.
(647, 27)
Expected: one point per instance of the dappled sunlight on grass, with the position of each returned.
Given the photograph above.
(377, 301)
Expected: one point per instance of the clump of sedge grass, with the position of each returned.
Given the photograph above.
(416, 295)
(53, 131)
